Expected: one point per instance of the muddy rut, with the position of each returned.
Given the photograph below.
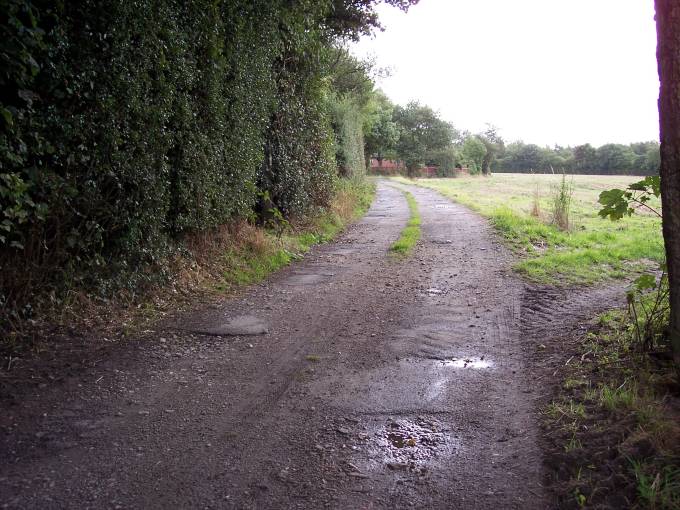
(348, 380)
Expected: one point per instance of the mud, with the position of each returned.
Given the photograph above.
(370, 383)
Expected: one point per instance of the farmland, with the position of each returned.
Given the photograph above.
(592, 249)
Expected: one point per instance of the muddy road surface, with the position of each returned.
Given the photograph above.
(348, 380)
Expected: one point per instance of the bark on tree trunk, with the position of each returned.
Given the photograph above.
(668, 57)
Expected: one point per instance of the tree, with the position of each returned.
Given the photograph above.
(614, 158)
(350, 19)
(668, 56)
(493, 144)
(652, 161)
(530, 157)
(421, 131)
(585, 157)
(445, 160)
(473, 153)
(381, 133)
(349, 96)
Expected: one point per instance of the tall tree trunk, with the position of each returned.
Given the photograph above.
(668, 56)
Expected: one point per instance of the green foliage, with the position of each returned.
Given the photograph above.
(619, 203)
(493, 144)
(648, 307)
(350, 103)
(649, 311)
(446, 160)
(642, 158)
(129, 138)
(125, 126)
(473, 153)
(657, 488)
(421, 132)
(349, 138)
(562, 196)
(381, 133)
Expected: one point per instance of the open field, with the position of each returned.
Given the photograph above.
(592, 249)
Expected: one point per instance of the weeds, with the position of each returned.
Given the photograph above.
(573, 444)
(581, 500)
(536, 201)
(562, 196)
(620, 398)
(658, 489)
(616, 407)
(649, 310)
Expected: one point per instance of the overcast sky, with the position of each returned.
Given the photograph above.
(543, 71)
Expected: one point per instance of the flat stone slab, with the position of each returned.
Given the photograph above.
(243, 325)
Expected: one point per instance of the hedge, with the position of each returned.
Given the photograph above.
(125, 125)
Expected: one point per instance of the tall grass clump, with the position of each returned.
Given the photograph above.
(562, 195)
(536, 202)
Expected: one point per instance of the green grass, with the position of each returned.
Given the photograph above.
(592, 250)
(403, 246)
(623, 398)
(250, 266)
(657, 488)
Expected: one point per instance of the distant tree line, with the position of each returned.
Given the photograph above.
(641, 158)
(416, 135)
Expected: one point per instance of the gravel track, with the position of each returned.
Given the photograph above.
(374, 383)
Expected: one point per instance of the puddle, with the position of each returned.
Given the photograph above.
(409, 445)
(344, 251)
(477, 363)
(307, 279)
(243, 325)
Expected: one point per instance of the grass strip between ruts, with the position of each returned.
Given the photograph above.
(403, 246)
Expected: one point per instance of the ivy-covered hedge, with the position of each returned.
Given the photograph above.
(126, 124)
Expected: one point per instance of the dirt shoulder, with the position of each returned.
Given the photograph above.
(348, 380)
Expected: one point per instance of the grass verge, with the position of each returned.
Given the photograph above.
(403, 247)
(614, 428)
(519, 206)
(258, 252)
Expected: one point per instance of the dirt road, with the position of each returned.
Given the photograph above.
(348, 380)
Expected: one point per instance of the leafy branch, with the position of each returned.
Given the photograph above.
(619, 203)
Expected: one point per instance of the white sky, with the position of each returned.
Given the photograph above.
(543, 71)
